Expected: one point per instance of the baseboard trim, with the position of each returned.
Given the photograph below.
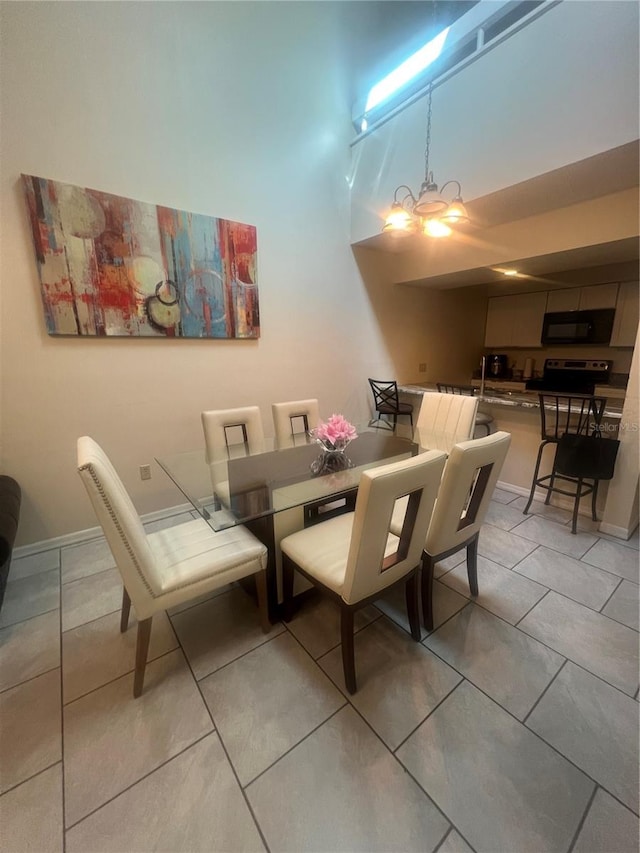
(615, 530)
(80, 536)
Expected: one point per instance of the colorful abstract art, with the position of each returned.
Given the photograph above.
(112, 266)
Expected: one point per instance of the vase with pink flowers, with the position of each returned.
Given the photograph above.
(333, 436)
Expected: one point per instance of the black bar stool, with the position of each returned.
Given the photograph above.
(573, 424)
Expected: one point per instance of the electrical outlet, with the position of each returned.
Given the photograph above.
(145, 472)
(422, 367)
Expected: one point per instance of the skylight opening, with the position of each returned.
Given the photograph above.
(406, 72)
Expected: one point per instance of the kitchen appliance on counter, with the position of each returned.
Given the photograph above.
(578, 327)
(498, 366)
(571, 376)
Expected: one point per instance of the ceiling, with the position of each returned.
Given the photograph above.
(595, 177)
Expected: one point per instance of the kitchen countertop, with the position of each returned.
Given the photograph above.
(517, 398)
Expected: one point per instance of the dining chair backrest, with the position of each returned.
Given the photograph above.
(228, 430)
(371, 564)
(445, 419)
(385, 395)
(294, 418)
(120, 522)
(469, 479)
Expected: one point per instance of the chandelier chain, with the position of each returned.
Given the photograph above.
(428, 142)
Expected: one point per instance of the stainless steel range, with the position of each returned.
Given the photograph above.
(571, 376)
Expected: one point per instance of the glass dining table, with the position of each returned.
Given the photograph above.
(275, 492)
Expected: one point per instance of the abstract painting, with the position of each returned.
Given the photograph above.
(112, 266)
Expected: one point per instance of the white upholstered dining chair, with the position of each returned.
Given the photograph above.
(353, 557)
(168, 567)
(294, 419)
(469, 479)
(445, 419)
(229, 433)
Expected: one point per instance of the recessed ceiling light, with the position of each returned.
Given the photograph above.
(509, 272)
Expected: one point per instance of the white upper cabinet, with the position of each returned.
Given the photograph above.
(516, 320)
(598, 296)
(625, 325)
(567, 299)
(582, 298)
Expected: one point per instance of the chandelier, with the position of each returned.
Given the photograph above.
(430, 212)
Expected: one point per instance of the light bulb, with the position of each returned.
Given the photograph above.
(436, 228)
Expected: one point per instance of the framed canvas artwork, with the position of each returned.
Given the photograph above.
(112, 266)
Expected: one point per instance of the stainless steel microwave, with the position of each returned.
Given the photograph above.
(578, 327)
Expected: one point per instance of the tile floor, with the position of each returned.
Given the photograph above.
(513, 726)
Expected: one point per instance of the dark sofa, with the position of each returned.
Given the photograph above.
(10, 499)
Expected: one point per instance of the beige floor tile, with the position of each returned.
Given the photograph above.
(549, 511)
(608, 828)
(341, 790)
(399, 680)
(220, 630)
(90, 598)
(193, 804)
(446, 602)
(29, 648)
(316, 623)
(31, 815)
(266, 702)
(504, 517)
(30, 596)
(623, 606)
(31, 728)
(34, 564)
(498, 658)
(500, 590)
(619, 559)
(88, 558)
(502, 496)
(500, 785)
(503, 547)
(600, 645)
(454, 843)
(111, 739)
(556, 536)
(595, 726)
(96, 653)
(574, 578)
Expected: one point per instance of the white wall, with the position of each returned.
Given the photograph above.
(238, 110)
(562, 89)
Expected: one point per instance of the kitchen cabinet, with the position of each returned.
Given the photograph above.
(582, 298)
(598, 296)
(625, 324)
(515, 320)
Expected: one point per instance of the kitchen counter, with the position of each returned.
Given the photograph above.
(517, 398)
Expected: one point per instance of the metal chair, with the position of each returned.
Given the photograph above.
(564, 419)
(386, 400)
(482, 418)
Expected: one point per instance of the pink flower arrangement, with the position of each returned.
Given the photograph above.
(335, 434)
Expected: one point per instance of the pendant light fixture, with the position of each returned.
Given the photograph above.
(430, 212)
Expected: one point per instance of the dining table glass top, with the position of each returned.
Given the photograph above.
(237, 486)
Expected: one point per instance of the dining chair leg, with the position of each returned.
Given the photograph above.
(413, 609)
(427, 591)
(142, 650)
(263, 602)
(472, 565)
(287, 588)
(126, 609)
(348, 651)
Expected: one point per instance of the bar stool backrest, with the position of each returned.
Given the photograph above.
(448, 388)
(566, 413)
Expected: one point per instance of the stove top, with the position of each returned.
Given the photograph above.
(572, 376)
